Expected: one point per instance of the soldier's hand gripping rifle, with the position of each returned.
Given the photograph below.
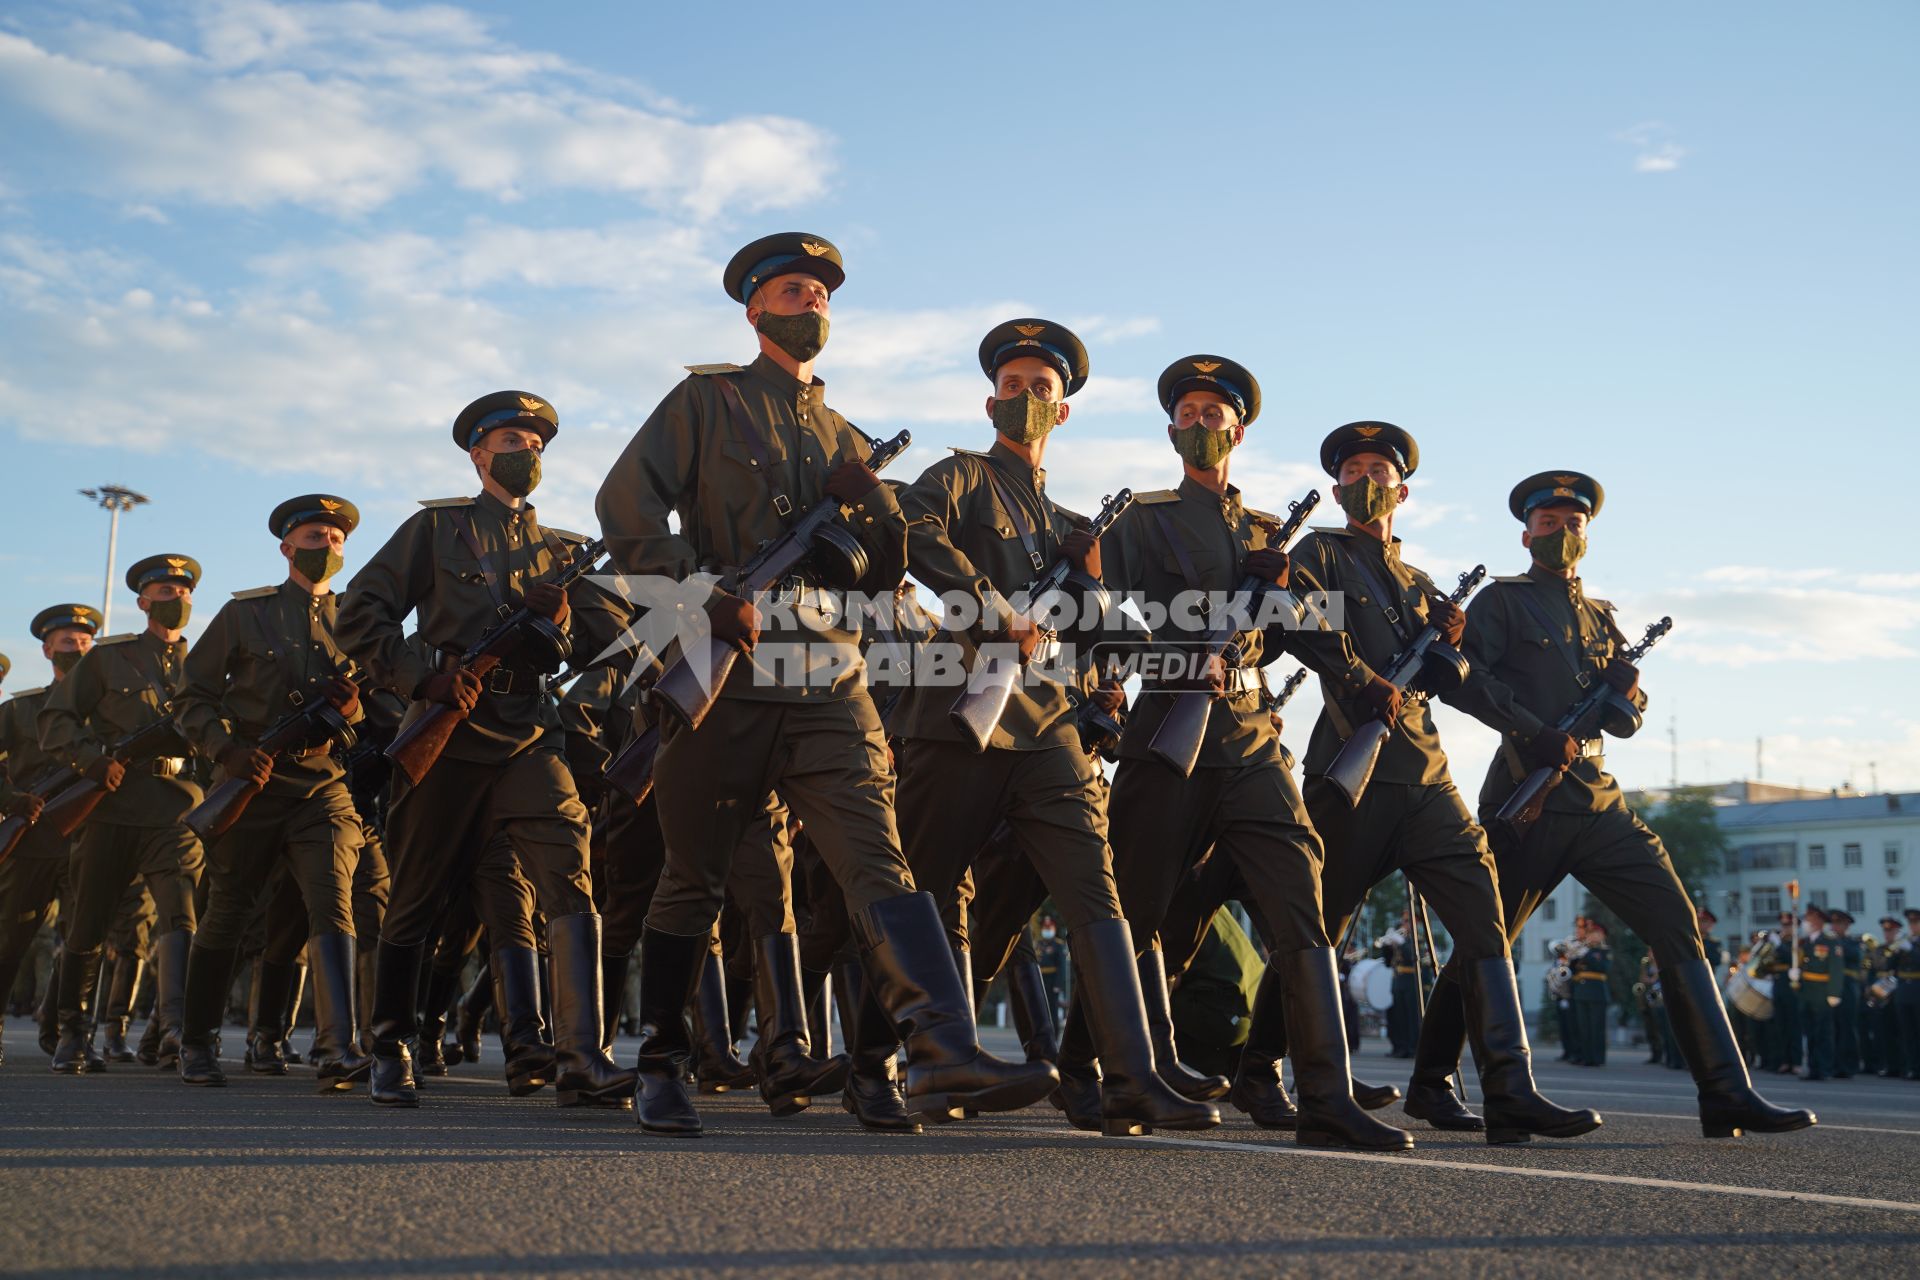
(1177, 741)
(977, 711)
(315, 724)
(1600, 707)
(75, 804)
(819, 542)
(535, 640)
(1427, 666)
(16, 826)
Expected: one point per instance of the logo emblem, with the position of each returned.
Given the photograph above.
(1206, 366)
(1565, 479)
(1030, 330)
(813, 250)
(1564, 492)
(530, 404)
(329, 504)
(1366, 433)
(176, 563)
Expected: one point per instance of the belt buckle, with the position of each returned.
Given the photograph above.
(1584, 679)
(1039, 561)
(500, 680)
(1393, 614)
(782, 504)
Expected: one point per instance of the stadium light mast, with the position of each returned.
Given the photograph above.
(113, 499)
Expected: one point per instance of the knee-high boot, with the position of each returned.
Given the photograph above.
(1079, 1093)
(274, 987)
(1182, 1079)
(790, 1076)
(1729, 1105)
(366, 963)
(296, 991)
(473, 1012)
(1515, 1109)
(1257, 1086)
(1436, 1056)
(613, 991)
(816, 988)
(585, 1076)
(669, 966)
(717, 1068)
(1133, 1097)
(76, 978)
(911, 973)
(516, 986)
(872, 1095)
(1032, 1011)
(170, 973)
(1317, 1039)
(118, 1007)
(442, 981)
(396, 990)
(335, 1054)
(48, 1014)
(209, 977)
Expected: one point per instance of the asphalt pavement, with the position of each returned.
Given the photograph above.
(132, 1174)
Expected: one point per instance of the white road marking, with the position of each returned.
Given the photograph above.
(1695, 1119)
(1565, 1175)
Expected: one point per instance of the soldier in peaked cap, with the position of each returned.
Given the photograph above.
(980, 527)
(268, 655)
(1537, 643)
(1410, 817)
(123, 684)
(35, 874)
(737, 453)
(460, 565)
(1200, 540)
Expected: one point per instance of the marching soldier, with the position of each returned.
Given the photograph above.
(1906, 996)
(1782, 1031)
(736, 454)
(501, 791)
(1853, 982)
(269, 653)
(1395, 946)
(1200, 541)
(1537, 642)
(1821, 973)
(35, 875)
(1411, 817)
(122, 684)
(1882, 1029)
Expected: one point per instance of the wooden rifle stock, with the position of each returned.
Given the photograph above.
(213, 816)
(417, 747)
(14, 829)
(76, 802)
(632, 770)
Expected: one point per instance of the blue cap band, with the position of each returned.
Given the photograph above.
(1038, 350)
(762, 273)
(1540, 497)
(1213, 383)
(493, 420)
(1380, 447)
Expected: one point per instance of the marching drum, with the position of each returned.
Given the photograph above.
(1751, 996)
(1371, 984)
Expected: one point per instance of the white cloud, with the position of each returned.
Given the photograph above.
(1655, 151)
(1745, 624)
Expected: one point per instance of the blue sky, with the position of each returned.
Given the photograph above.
(252, 249)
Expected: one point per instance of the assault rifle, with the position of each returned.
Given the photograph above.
(1590, 713)
(76, 803)
(15, 828)
(1177, 741)
(311, 725)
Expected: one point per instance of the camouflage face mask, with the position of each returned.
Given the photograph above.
(171, 614)
(1366, 502)
(1025, 418)
(1559, 550)
(1201, 448)
(517, 473)
(317, 564)
(66, 660)
(803, 336)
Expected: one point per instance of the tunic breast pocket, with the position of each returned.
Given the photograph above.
(464, 570)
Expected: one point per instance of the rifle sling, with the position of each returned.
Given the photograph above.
(751, 439)
(464, 529)
(1018, 514)
(1581, 676)
(1389, 600)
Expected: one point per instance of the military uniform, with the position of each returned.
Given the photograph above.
(1906, 997)
(1592, 976)
(735, 453)
(123, 684)
(1403, 1015)
(267, 654)
(1781, 1034)
(461, 565)
(1847, 1015)
(1821, 974)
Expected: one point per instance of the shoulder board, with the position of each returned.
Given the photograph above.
(28, 693)
(566, 535)
(965, 453)
(1153, 496)
(1514, 578)
(1605, 606)
(255, 593)
(122, 638)
(446, 502)
(705, 370)
(1263, 517)
(1336, 531)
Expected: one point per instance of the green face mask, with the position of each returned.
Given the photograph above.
(172, 614)
(317, 564)
(1559, 550)
(66, 660)
(1366, 502)
(517, 473)
(1201, 448)
(803, 336)
(1025, 418)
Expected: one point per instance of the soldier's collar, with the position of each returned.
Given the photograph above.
(1006, 457)
(765, 368)
(1548, 578)
(1229, 503)
(501, 510)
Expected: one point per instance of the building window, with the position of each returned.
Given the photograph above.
(1550, 909)
(1816, 856)
(1856, 901)
(1896, 901)
(1893, 853)
(1817, 898)
(1766, 903)
(1850, 855)
(1779, 855)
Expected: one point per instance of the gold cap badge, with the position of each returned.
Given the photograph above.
(530, 404)
(1206, 366)
(814, 250)
(329, 504)
(176, 563)
(1366, 433)
(1030, 330)
(1565, 479)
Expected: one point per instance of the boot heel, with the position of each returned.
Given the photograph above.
(1507, 1137)
(1120, 1127)
(1721, 1129)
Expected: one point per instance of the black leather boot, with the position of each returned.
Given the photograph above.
(1436, 1056)
(1257, 1087)
(1078, 1096)
(441, 984)
(1134, 1099)
(366, 964)
(1729, 1104)
(872, 1095)
(516, 982)
(128, 967)
(73, 1052)
(48, 1014)
(586, 1076)
(274, 987)
(669, 966)
(613, 994)
(1032, 1011)
(336, 1057)
(911, 974)
(1317, 1041)
(170, 951)
(790, 1076)
(472, 1014)
(295, 991)
(816, 988)
(1182, 1079)
(717, 1068)
(1515, 1109)
(209, 978)
(396, 988)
